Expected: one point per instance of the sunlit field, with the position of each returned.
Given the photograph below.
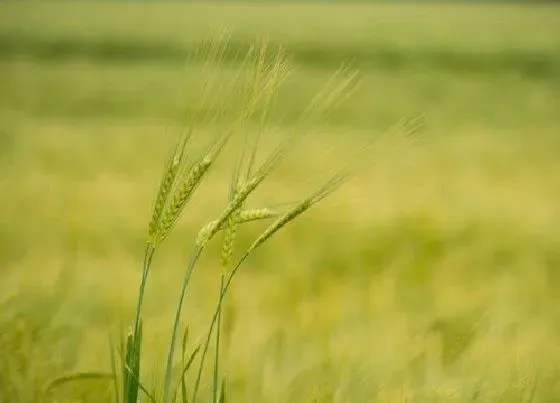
(432, 275)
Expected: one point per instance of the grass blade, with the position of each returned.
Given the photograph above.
(115, 370)
(76, 377)
(184, 371)
(140, 386)
(128, 363)
(186, 364)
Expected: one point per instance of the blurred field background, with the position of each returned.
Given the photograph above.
(432, 276)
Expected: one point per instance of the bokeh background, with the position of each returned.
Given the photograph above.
(431, 276)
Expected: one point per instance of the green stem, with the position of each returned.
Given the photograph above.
(217, 354)
(215, 319)
(169, 367)
(148, 255)
(132, 357)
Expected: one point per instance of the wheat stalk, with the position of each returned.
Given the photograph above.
(329, 187)
(251, 99)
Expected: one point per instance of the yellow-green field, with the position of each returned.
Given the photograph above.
(433, 275)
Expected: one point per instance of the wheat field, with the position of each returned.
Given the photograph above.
(432, 275)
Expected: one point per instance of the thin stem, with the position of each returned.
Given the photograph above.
(168, 371)
(132, 360)
(148, 255)
(215, 319)
(217, 355)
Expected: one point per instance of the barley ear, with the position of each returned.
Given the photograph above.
(271, 76)
(167, 181)
(182, 196)
(230, 233)
(245, 216)
(246, 189)
(206, 233)
(299, 209)
(233, 221)
(256, 214)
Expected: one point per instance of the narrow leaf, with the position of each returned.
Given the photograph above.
(114, 369)
(76, 377)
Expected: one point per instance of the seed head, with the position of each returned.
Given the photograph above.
(229, 237)
(206, 233)
(256, 214)
(329, 187)
(182, 196)
(167, 181)
(281, 222)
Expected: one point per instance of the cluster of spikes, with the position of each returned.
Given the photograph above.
(181, 177)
